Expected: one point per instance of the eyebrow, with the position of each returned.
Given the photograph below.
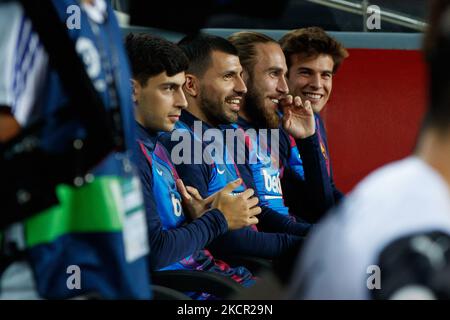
(233, 71)
(230, 71)
(277, 69)
(171, 84)
(309, 69)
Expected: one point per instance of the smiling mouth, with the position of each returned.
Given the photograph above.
(276, 103)
(313, 96)
(235, 103)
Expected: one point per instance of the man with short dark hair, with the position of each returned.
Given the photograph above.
(313, 58)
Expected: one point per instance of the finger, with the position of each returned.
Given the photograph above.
(252, 220)
(252, 202)
(307, 105)
(286, 119)
(287, 116)
(298, 101)
(286, 101)
(255, 211)
(194, 193)
(182, 190)
(232, 185)
(248, 193)
(211, 198)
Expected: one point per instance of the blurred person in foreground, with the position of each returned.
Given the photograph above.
(91, 240)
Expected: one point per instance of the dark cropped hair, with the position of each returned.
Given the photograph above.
(199, 47)
(436, 48)
(150, 55)
(311, 42)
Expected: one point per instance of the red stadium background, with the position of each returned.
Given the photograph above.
(375, 110)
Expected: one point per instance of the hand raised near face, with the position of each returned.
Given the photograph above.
(298, 117)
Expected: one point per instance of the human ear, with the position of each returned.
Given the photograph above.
(191, 86)
(136, 90)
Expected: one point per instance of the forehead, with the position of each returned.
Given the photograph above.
(221, 61)
(178, 78)
(269, 55)
(320, 62)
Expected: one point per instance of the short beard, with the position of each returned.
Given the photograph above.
(258, 114)
(213, 112)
